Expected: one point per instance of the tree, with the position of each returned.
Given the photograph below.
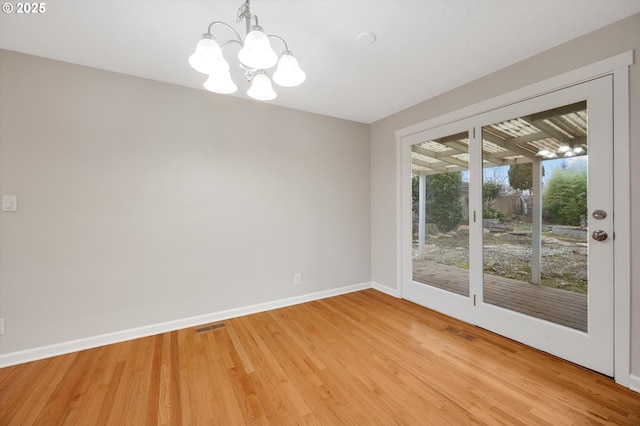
(443, 204)
(490, 191)
(565, 196)
(521, 176)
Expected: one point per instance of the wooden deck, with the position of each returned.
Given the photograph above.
(559, 306)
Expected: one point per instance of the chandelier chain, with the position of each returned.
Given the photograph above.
(244, 12)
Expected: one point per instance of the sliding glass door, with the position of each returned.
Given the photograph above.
(511, 215)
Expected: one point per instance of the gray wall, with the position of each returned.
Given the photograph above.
(613, 39)
(142, 202)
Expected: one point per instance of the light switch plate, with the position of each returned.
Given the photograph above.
(9, 203)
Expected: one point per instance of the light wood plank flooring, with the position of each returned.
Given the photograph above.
(364, 358)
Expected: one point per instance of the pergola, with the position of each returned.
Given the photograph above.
(555, 133)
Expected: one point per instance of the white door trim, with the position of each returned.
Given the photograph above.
(617, 66)
(622, 220)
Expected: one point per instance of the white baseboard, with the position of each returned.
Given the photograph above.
(20, 357)
(634, 383)
(387, 290)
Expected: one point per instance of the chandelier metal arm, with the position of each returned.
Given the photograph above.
(228, 26)
(252, 23)
(228, 43)
(286, 48)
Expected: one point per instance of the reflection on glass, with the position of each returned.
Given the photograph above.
(534, 195)
(440, 204)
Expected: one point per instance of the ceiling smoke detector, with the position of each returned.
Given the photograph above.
(366, 38)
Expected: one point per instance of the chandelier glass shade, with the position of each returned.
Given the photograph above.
(288, 73)
(261, 88)
(208, 57)
(220, 82)
(257, 52)
(255, 57)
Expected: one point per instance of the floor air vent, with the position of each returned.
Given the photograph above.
(209, 328)
(460, 333)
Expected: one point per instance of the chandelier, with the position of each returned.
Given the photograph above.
(255, 57)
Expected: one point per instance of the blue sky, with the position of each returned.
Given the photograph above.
(500, 174)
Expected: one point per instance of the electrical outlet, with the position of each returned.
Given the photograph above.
(9, 203)
(297, 279)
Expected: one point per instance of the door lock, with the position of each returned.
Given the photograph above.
(599, 214)
(599, 235)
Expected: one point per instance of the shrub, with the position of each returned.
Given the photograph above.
(565, 197)
(490, 191)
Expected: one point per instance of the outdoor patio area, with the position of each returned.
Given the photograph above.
(559, 306)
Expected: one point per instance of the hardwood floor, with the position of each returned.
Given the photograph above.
(363, 358)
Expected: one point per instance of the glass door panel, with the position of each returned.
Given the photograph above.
(440, 213)
(534, 209)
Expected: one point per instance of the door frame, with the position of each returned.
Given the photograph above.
(618, 67)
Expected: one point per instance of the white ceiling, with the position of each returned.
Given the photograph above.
(423, 48)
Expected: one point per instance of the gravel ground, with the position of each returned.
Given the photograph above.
(564, 261)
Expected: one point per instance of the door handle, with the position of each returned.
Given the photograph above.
(599, 235)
